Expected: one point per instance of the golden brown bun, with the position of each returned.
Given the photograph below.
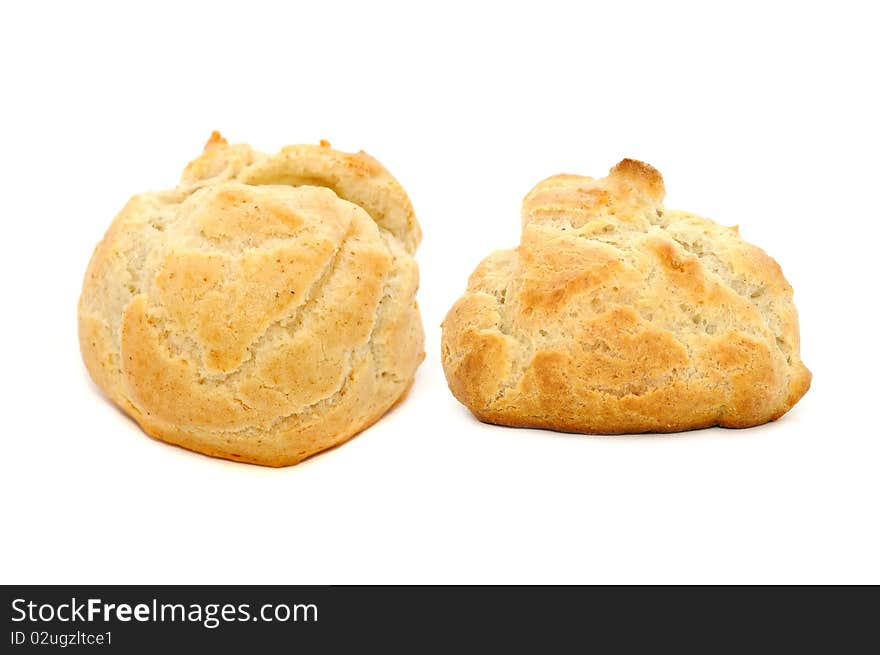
(262, 311)
(617, 315)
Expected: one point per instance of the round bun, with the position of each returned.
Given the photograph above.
(262, 311)
(617, 315)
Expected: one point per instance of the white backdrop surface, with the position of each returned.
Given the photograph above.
(761, 114)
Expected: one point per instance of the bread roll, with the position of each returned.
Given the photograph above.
(262, 311)
(618, 315)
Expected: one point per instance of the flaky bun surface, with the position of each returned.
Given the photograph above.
(262, 311)
(618, 315)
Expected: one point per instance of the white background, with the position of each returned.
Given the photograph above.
(764, 114)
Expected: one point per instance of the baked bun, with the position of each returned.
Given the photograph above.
(262, 311)
(617, 315)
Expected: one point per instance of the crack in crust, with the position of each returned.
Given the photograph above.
(617, 315)
(264, 310)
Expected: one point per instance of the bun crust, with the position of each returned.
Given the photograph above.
(616, 315)
(262, 311)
